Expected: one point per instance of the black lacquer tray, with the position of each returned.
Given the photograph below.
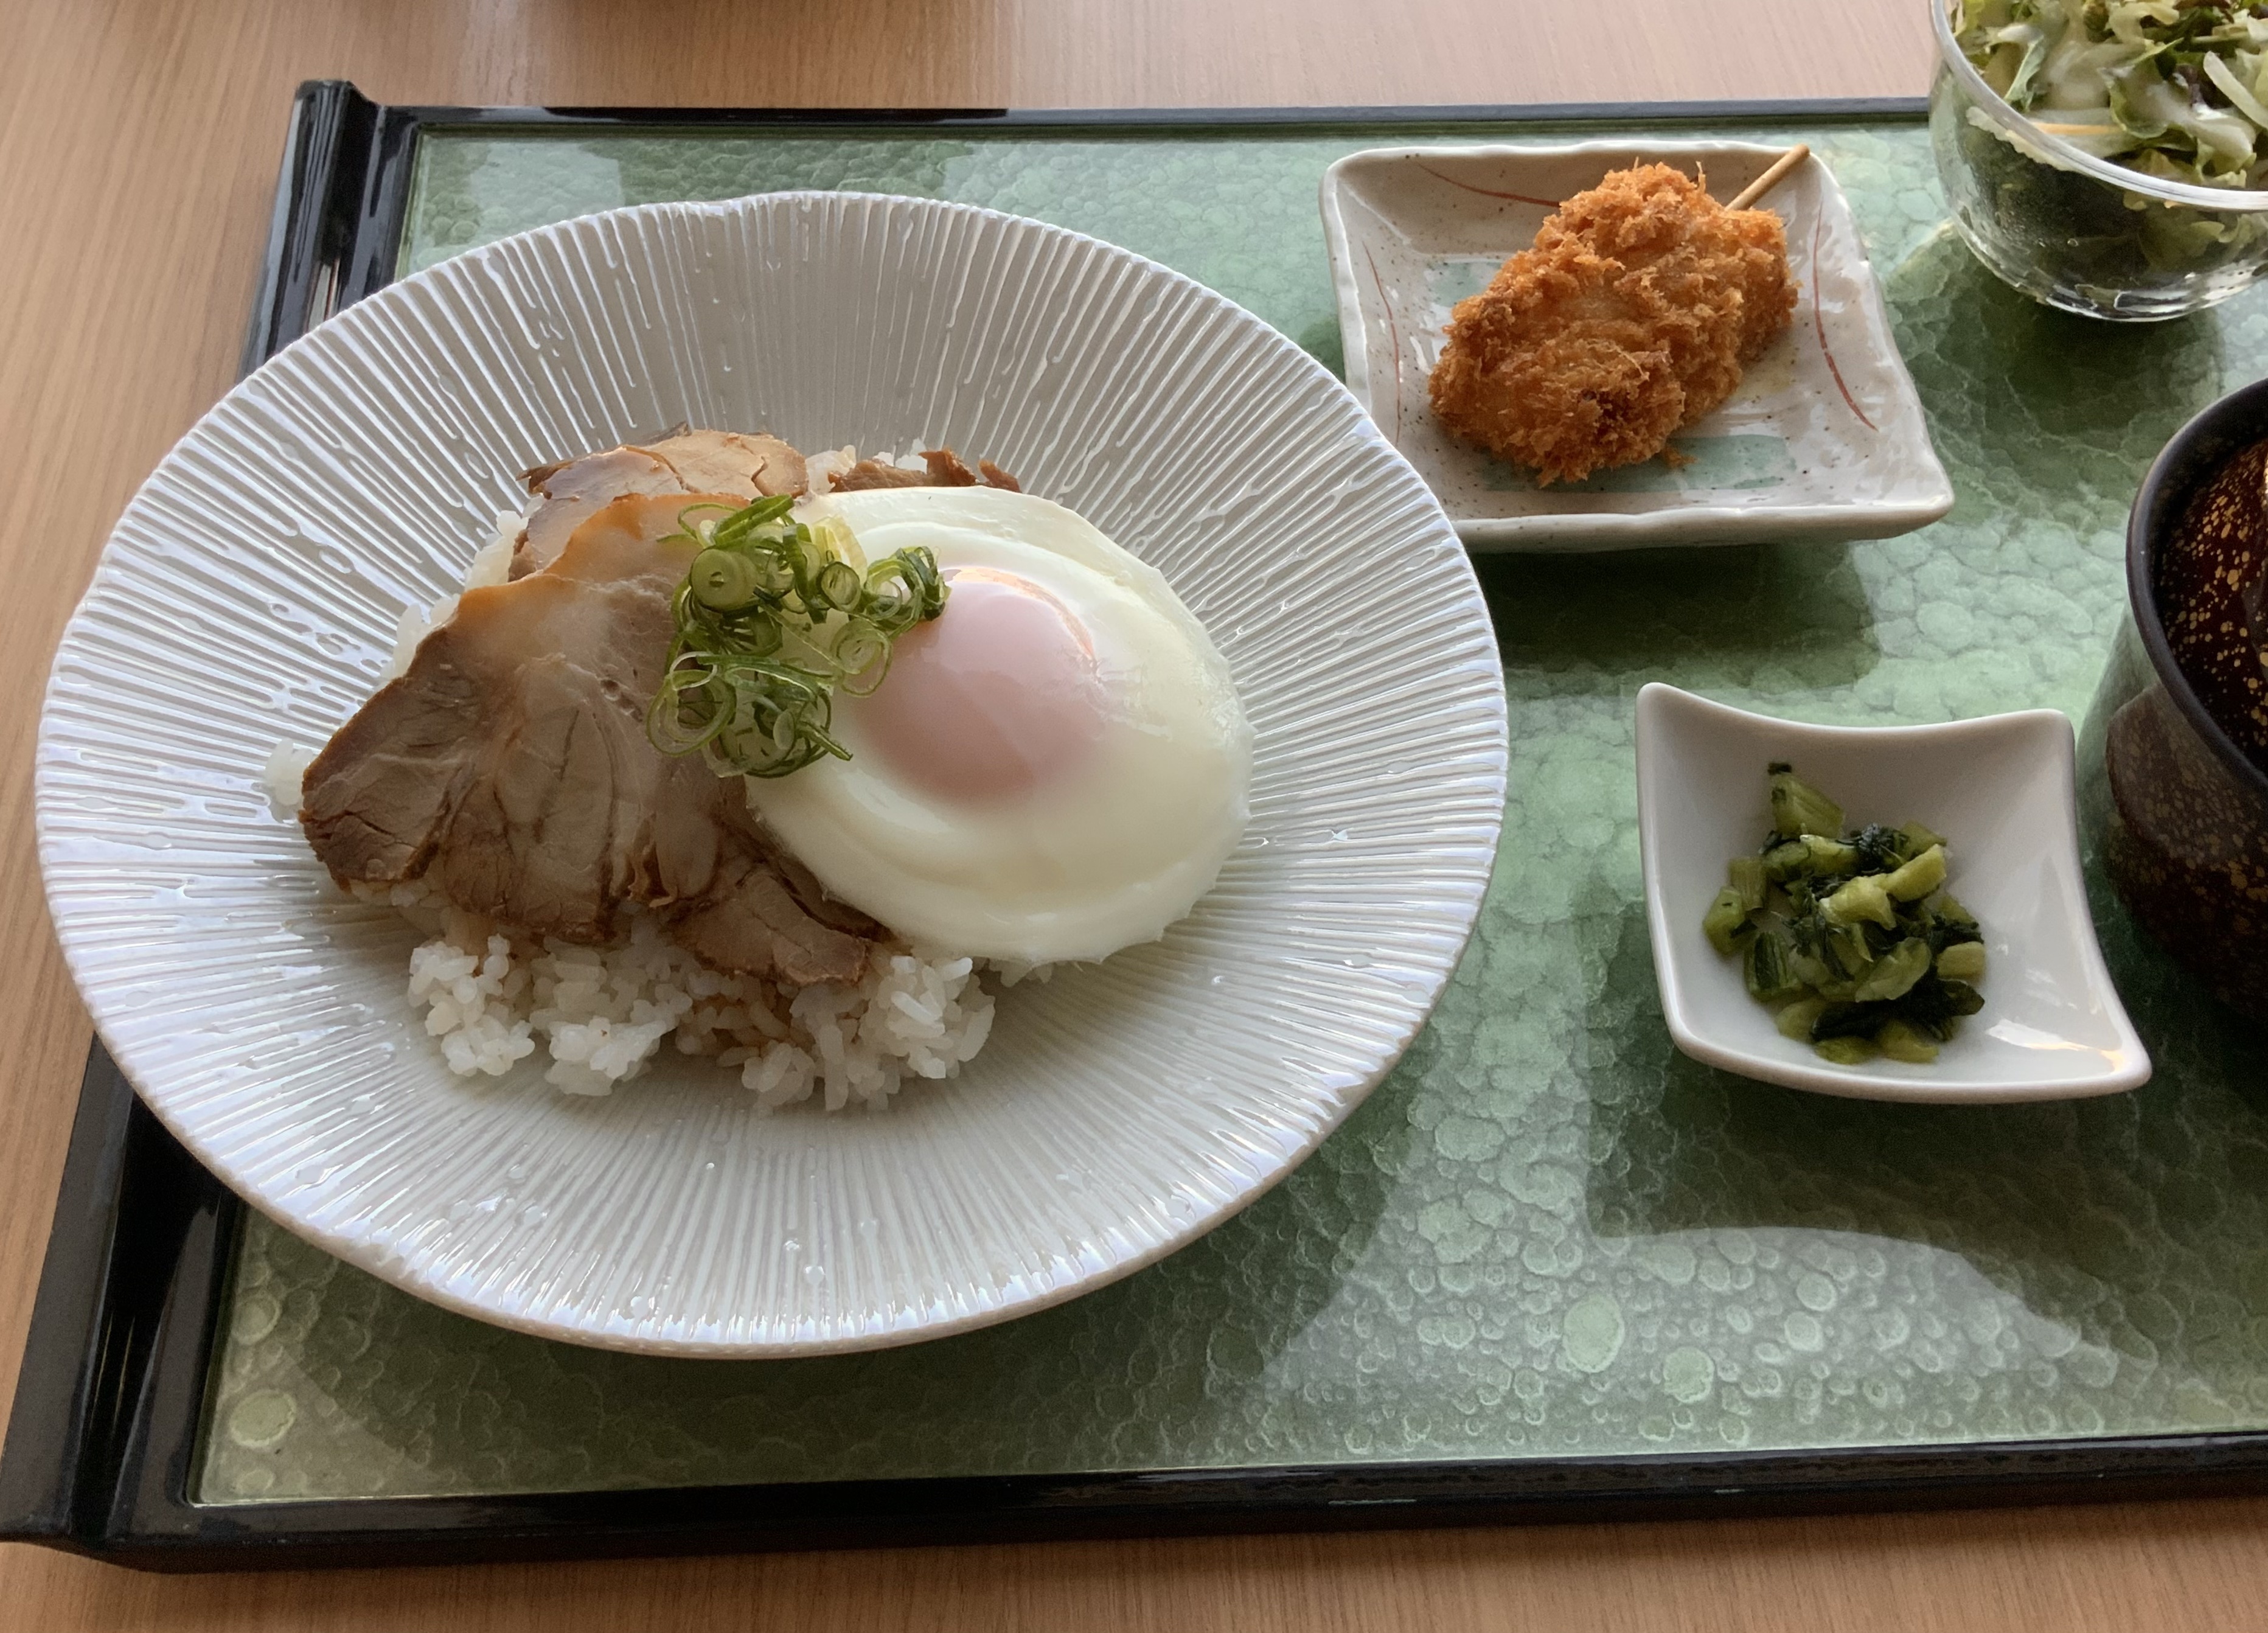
(1551, 1271)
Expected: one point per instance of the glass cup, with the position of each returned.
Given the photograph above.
(2074, 231)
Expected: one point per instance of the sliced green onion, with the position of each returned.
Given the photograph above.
(839, 585)
(770, 621)
(723, 581)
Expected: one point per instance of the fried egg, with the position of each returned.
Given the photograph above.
(1054, 768)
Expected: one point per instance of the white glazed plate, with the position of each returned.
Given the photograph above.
(1999, 789)
(250, 594)
(1824, 440)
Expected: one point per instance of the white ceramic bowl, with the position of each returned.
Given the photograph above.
(1824, 439)
(1999, 789)
(250, 594)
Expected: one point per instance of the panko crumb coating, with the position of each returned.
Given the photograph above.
(1631, 315)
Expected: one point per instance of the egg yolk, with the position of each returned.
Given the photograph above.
(995, 698)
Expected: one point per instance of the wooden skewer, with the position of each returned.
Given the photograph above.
(1771, 178)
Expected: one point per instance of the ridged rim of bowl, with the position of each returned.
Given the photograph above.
(425, 1276)
(1953, 61)
(2172, 481)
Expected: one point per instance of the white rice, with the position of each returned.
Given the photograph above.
(280, 779)
(821, 469)
(602, 1013)
(491, 564)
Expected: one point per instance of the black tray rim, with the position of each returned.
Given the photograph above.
(548, 118)
(103, 1439)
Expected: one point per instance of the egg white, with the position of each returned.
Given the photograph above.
(1107, 854)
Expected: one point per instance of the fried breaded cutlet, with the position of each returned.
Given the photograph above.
(1631, 316)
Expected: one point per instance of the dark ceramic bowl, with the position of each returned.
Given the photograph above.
(2174, 808)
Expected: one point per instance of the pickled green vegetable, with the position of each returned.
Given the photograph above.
(1850, 934)
(1866, 898)
(1766, 968)
(1901, 1041)
(1879, 848)
(1846, 1051)
(1798, 808)
(1795, 1021)
(1728, 924)
(1849, 953)
(1784, 862)
(1748, 881)
(1825, 858)
(1917, 878)
(1895, 972)
(1962, 961)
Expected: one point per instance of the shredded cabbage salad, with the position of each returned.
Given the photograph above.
(2176, 89)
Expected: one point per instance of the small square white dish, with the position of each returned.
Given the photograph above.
(1999, 789)
(1824, 440)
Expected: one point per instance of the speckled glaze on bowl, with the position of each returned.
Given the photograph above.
(2174, 806)
(250, 594)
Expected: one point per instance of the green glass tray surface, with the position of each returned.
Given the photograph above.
(1547, 1233)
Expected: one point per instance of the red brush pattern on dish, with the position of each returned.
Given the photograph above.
(1819, 323)
(1517, 198)
(1393, 337)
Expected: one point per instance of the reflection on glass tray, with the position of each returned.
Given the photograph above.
(1548, 1233)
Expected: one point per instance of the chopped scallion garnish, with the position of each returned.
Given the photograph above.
(771, 620)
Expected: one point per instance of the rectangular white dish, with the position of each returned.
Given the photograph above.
(1824, 440)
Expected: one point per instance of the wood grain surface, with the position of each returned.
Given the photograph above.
(140, 141)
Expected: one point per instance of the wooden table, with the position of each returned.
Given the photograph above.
(141, 139)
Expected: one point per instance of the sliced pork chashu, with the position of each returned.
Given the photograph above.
(945, 470)
(509, 764)
(721, 463)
